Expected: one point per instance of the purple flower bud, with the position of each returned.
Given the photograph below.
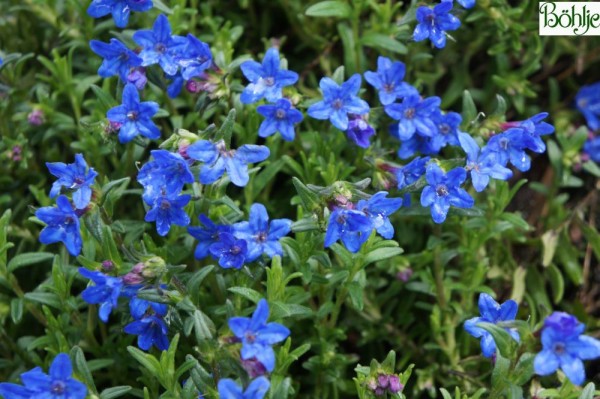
(36, 117)
(404, 275)
(253, 367)
(137, 76)
(371, 384)
(383, 380)
(16, 153)
(138, 268)
(360, 131)
(395, 385)
(108, 265)
(379, 391)
(193, 86)
(133, 279)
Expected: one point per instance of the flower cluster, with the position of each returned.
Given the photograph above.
(385, 383)
(62, 221)
(353, 223)
(267, 81)
(434, 22)
(148, 316)
(587, 102)
(59, 384)
(119, 9)
(257, 337)
(243, 242)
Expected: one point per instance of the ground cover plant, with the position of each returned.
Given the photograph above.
(290, 199)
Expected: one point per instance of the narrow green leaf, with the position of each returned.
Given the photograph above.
(334, 8)
(383, 42)
(114, 392)
(29, 258)
(247, 293)
(469, 111)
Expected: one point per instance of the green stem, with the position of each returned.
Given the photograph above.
(343, 294)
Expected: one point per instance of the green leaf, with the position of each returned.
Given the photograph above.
(81, 367)
(106, 101)
(310, 200)
(114, 392)
(16, 310)
(445, 394)
(337, 9)
(557, 282)
(550, 241)
(524, 369)
(247, 293)
(45, 298)
(384, 42)
(502, 338)
(203, 326)
(381, 254)
(588, 391)
(280, 310)
(29, 258)
(469, 111)
(356, 295)
(226, 129)
(148, 361)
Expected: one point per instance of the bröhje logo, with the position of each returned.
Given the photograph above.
(569, 18)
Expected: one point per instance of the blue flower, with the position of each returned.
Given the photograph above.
(195, 58)
(176, 84)
(378, 208)
(351, 226)
(444, 190)
(159, 46)
(207, 235)
(280, 117)
(266, 79)
(587, 102)
(359, 131)
(388, 80)
(464, 3)
(134, 116)
(564, 347)
(482, 164)
(535, 127)
(411, 172)
(257, 335)
(492, 312)
(62, 225)
(434, 22)
(105, 293)
(120, 9)
(217, 159)
(447, 126)
(60, 384)
(510, 146)
(592, 148)
(257, 389)
(139, 307)
(339, 101)
(151, 330)
(167, 210)
(74, 176)
(118, 59)
(230, 252)
(260, 235)
(419, 144)
(415, 116)
(137, 77)
(166, 174)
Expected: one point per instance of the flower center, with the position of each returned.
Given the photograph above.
(504, 144)
(69, 220)
(444, 128)
(165, 204)
(337, 104)
(235, 250)
(441, 190)
(250, 337)
(160, 48)
(559, 348)
(280, 114)
(270, 81)
(262, 236)
(409, 113)
(132, 115)
(57, 387)
(388, 87)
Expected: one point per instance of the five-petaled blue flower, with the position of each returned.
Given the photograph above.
(167, 210)
(151, 330)
(218, 159)
(434, 22)
(135, 117)
(388, 80)
(260, 235)
(351, 226)
(444, 190)
(118, 59)
(535, 127)
(195, 59)
(280, 117)
(120, 9)
(587, 102)
(60, 384)
(414, 115)
(266, 79)
(339, 101)
(359, 131)
(482, 164)
(510, 146)
(417, 144)
(257, 335)
(448, 127)
(166, 174)
(378, 208)
(230, 251)
(74, 176)
(257, 389)
(62, 225)
(207, 235)
(492, 312)
(564, 347)
(106, 292)
(159, 46)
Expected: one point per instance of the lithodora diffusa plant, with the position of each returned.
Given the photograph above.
(206, 201)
